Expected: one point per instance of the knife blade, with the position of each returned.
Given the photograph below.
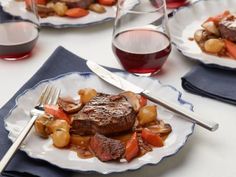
(123, 84)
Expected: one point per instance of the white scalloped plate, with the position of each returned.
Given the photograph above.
(39, 148)
(187, 20)
(17, 8)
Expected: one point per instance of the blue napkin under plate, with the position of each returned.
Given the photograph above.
(60, 62)
(216, 83)
(4, 16)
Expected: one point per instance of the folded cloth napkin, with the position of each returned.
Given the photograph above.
(4, 16)
(211, 82)
(60, 62)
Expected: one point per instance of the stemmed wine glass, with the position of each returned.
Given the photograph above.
(141, 40)
(19, 29)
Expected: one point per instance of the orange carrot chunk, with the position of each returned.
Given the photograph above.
(132, 147)
(152, 138)
(76, 12)
(216, 19)
(41, 2)
(231, 48)
(56, 112)
(107, 2)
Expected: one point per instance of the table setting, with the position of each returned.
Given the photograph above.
(185, 85)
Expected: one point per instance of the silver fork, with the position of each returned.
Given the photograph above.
(49, 96)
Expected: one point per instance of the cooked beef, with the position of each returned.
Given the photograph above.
(227, 28)
(104, 114)
(77, 3)
(106, 148)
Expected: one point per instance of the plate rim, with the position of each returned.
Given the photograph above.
(85, 74)
(208, 64)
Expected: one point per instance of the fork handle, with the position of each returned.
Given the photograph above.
(12, 150)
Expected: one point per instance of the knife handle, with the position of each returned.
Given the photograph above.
(187, 114)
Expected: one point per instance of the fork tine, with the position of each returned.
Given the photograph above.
(49, 98)
(55, 96)
(42, 96)
(46, 96)
(50, 95)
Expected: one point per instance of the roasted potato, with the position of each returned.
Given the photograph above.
(198, 35)
(214, 45)
(97, 8)
(41, 125)
(147, 114)
(86, 95)
(60, 8)
(211, 27)
(60, 138)
(58, 124)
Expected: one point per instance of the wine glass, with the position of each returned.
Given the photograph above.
(141, 40)
(19, 29)
(172, 4)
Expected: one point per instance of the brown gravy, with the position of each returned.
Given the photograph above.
(80, 144)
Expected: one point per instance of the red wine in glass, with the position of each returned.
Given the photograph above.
(17, 39)
(141, 51)
(172, 4)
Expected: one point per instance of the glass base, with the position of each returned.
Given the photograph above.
(15, 58)
(146, 74)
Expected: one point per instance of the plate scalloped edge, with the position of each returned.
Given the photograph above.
(87, 74)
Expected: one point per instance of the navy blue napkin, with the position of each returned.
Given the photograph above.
(4, 16)
(60, 62)
(211, 82)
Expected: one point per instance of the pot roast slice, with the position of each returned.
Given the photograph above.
(104, 114)
(106, 148)
(227, 28)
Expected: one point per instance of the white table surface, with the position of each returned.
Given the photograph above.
(210, 154)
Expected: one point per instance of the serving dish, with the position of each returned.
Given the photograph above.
(187, 20)
(69, 84)
(16, 8)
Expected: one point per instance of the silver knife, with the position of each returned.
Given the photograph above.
(123, 84)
